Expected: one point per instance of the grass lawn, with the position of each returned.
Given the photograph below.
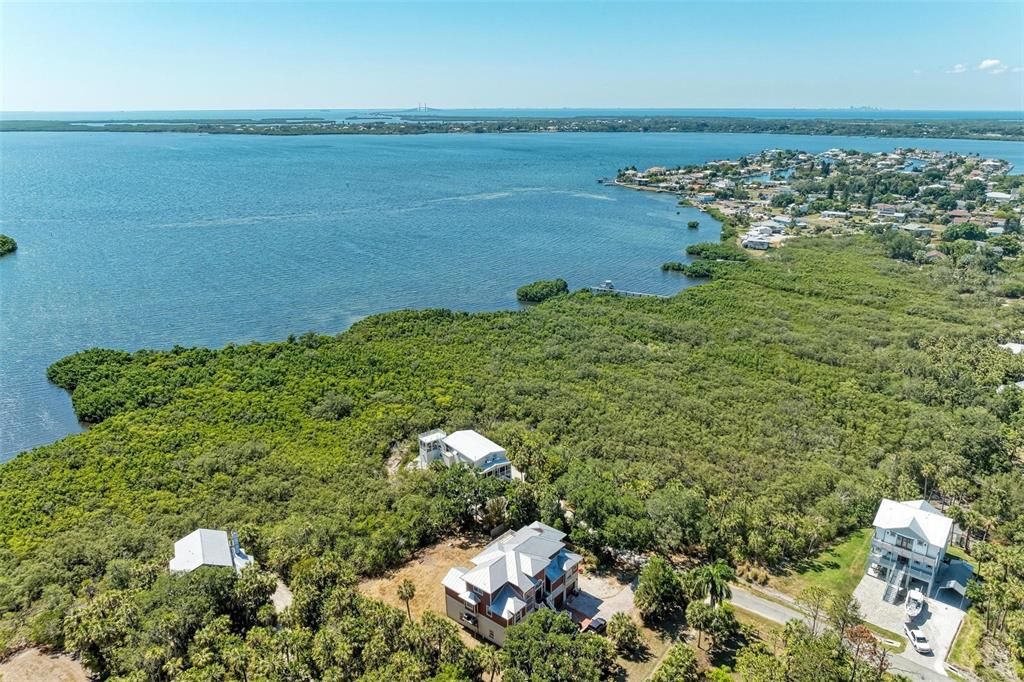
(959, 553)
(837, 569)
(967, 645)
(766, 629)
(658, 644)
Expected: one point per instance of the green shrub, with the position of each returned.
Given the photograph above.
(541, 290)
(7, 245)
(332, 406)
(715, 251)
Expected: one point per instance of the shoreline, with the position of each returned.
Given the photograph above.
(996, 130)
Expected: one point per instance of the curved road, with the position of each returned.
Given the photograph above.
(780, 613)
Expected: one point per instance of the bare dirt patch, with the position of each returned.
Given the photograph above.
(399, 451)
(426, 571)
(32, 665)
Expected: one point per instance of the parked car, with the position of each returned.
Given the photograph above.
(917, 640)
(598, 626)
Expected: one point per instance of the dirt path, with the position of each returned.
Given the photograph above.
(32, 665)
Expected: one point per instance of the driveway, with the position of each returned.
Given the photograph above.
(779, 613)
(939, 621)
(603, 594)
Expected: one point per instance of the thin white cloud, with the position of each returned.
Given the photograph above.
(1017, 69)
(957, 68)
(991, 65)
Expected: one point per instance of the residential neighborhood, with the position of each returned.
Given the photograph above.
(778, 194)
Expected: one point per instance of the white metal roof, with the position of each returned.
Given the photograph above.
(514, 558)
(473, 446)
(206, 547)
(917, 516)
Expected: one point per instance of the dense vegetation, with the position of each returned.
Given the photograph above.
(419, 124)
(752, 419)
(7, 245)
(541, 290)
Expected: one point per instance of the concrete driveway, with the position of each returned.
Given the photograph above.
(603, 594)
(939, 621)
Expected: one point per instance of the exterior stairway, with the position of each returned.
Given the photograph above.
(892, 590)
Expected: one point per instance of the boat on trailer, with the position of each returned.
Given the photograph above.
(915, 602)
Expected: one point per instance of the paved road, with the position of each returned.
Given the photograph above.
(779, 613)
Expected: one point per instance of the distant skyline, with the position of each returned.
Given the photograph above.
(85, 56)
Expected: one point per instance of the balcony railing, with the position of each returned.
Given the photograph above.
(875, 542)
(914, 571)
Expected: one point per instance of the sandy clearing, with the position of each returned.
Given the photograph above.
(32, 665)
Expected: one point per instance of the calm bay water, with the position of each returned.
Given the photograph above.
(150, 240)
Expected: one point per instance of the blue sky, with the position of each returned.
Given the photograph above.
(204, 55)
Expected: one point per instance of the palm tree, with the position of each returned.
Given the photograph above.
(713, 581)
(490, 660)
(406, 591)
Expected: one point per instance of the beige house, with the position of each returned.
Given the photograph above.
(513, 576)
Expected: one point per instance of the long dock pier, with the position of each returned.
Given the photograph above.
(609, 289)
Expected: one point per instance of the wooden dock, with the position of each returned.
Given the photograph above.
(608, 289)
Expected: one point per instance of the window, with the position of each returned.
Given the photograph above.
(904, 542)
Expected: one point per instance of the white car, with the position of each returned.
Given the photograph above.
(917, 640)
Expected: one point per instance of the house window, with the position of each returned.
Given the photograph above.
(904, 542)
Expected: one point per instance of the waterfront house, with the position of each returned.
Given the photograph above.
(206, 547)
(469, 448)
(908, 546)
(513, 576)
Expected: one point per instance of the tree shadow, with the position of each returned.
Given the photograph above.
(815, 565)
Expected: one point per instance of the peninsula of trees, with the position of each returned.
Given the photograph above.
(7, 245)
(982, 129)
(752, 419)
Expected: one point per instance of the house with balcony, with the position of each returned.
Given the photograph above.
(469, 448)
(908, 547)
(512, 577)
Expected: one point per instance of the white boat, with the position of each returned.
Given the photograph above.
(915, 602)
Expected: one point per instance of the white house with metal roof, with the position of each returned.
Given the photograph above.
(205, 547)
(466, 447)
(908, 545)
(512, 577)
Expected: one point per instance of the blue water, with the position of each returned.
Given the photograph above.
(150, 240)
(346, 114)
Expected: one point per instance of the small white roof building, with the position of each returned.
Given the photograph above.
(205, 547)
(473, 446)
(916, 516)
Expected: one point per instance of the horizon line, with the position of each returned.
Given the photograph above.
(512, 108)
